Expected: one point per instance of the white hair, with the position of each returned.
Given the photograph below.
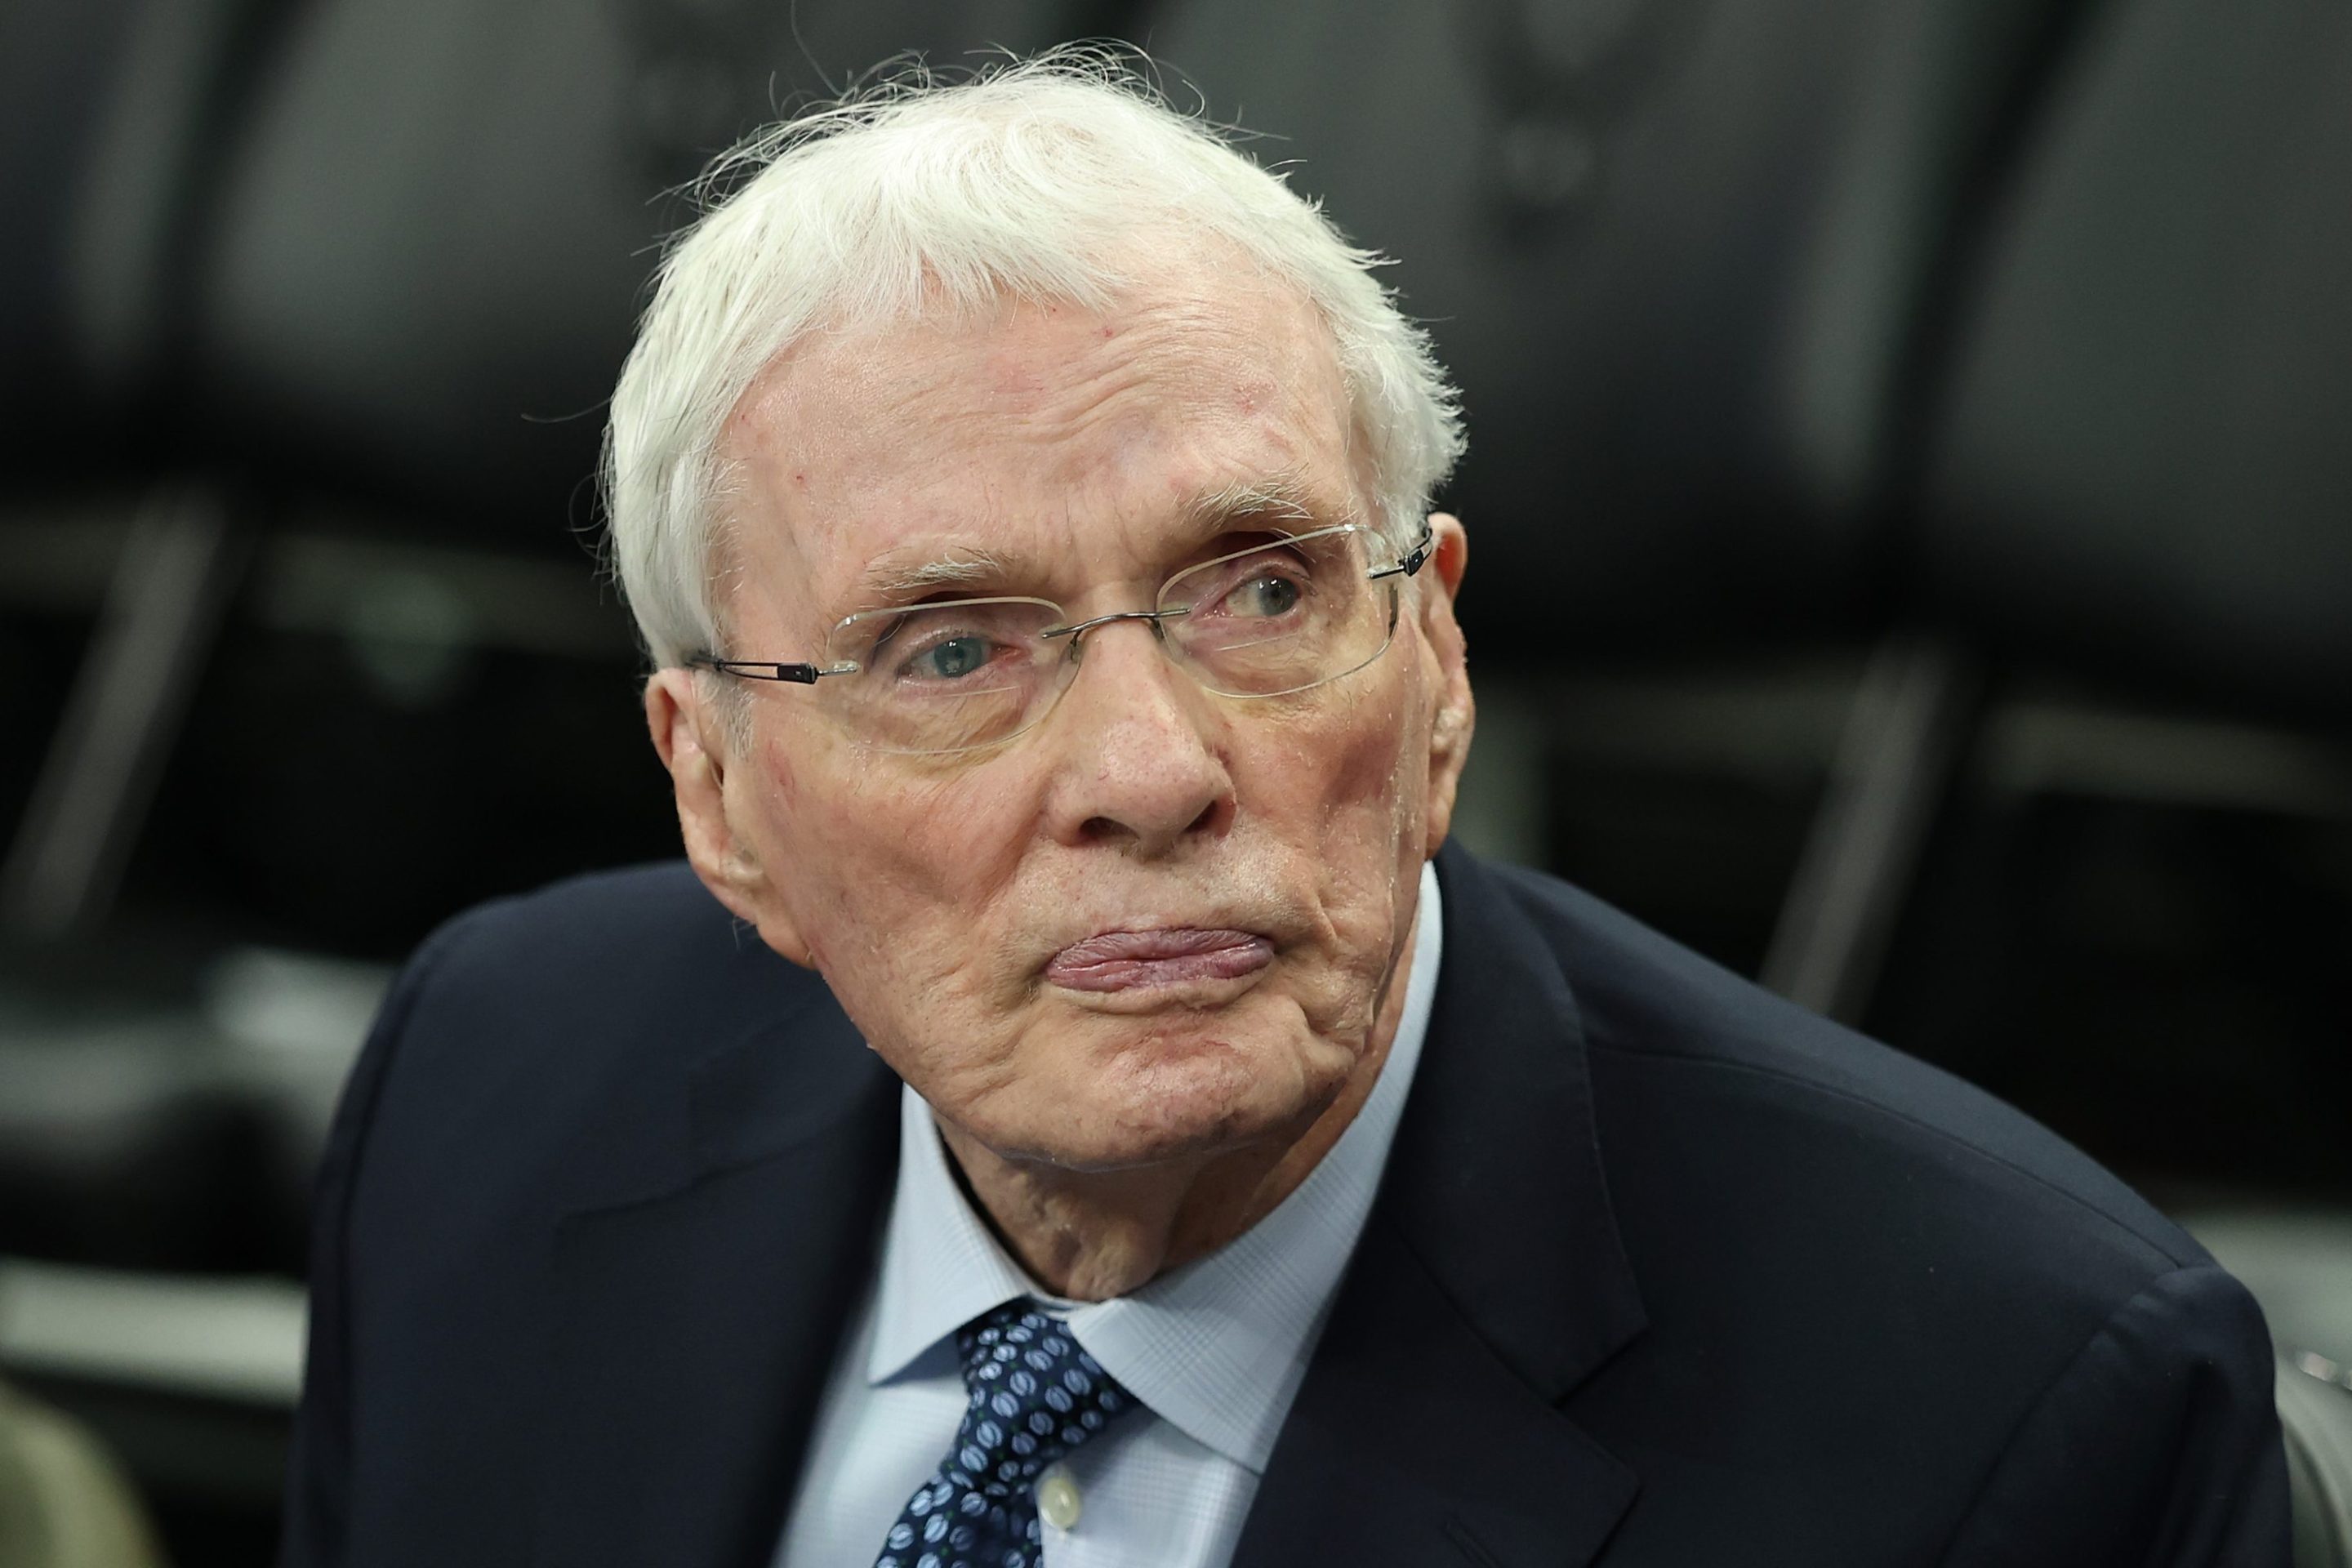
(1035, 179)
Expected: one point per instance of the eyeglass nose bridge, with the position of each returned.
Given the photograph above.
(1077, 630)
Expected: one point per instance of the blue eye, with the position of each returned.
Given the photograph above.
(1268, 596)
(949, 659)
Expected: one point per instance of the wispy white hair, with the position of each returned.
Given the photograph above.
(1046, 179)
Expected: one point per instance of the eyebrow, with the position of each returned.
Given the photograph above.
(1283, 497)
(890, 583)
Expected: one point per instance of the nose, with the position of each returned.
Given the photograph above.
(1139, 766)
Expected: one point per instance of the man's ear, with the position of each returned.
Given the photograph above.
(690, 735)
(1456, 715)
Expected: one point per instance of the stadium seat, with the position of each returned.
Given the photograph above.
(2141, 469)
(112, 111)
(111, 115)
(2133, 480)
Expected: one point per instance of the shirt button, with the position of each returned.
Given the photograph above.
(1057, 1497)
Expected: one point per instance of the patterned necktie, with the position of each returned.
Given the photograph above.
(1035, 1395)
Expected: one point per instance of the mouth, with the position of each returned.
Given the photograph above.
(1132, 961)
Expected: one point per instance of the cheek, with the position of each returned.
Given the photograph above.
(1362, 767)
(1350, 798)
(857, 843)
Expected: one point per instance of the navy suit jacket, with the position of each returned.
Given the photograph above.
(1662, 1270)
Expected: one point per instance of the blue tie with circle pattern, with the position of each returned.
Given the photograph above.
(1034, 1395)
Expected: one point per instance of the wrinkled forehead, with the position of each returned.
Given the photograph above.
(1057, 442)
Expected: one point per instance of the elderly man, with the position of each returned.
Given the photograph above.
(1072, 1111)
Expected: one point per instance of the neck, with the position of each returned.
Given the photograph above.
(1090, 1235)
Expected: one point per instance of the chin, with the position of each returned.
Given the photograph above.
(1188, 1097)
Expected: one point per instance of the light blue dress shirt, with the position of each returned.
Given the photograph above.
(1214, 1350)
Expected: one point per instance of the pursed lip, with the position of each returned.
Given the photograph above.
(1115, 960)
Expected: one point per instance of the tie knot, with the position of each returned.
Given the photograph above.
(1034, 1394)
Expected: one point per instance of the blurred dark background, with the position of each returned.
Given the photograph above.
(1910, 484)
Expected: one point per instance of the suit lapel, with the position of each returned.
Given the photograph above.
(1489, 1282)
(1412, 1442)
(695, 1323)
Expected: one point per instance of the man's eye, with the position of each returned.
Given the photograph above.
(951, 658)
(1267, 595)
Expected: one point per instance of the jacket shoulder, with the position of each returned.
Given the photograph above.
(599, 923)
(1897, 1320)
(1668, 1029)
(602, 957)
(532, 1036)
(1886, 1314)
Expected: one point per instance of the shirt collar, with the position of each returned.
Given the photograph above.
(1215, 1348)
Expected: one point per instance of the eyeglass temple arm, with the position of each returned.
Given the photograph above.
(1415, 559)
(756, 669)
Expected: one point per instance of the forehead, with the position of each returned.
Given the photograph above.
(1066, 440)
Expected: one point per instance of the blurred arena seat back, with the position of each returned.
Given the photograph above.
(2143, 469)
(115, 113)
(434, 240)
